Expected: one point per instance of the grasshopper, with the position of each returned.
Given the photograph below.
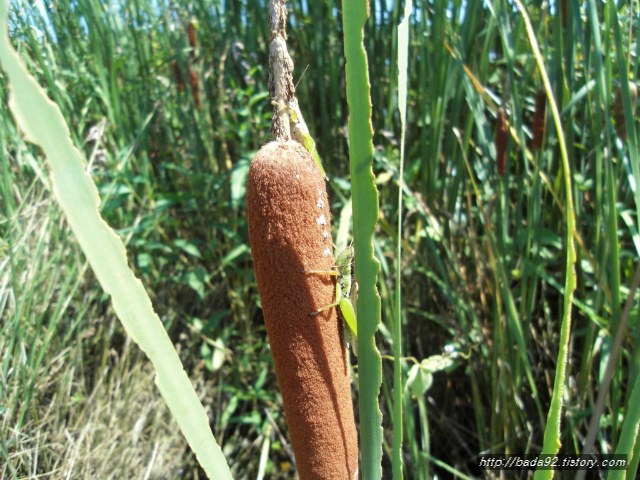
(344, 293)
(300, 134)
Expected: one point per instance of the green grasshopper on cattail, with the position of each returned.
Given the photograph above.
(344, 293)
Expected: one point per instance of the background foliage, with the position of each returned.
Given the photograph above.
(168, 101)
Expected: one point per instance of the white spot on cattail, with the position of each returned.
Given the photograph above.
(321, 220)
(320, 203)
(327, 252)
(325, 235)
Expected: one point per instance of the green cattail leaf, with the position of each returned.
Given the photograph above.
(43, 124)
(403, 80)
(365, 217)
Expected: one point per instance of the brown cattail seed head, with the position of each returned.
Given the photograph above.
(617, 111)
(289, 232)
(564, 12)
(192, 35)
(539, 119)
(501, 142)
(177, 73)
(194, 89)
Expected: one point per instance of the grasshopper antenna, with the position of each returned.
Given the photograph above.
(303, 72)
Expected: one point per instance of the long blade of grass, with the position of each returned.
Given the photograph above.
(43, 124)
(629, 436)
(365, 216)
(626, 101)
(551, 442)
(629, 433)
(403, 80)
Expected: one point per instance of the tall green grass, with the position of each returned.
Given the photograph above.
(483, 269)
(365, 217)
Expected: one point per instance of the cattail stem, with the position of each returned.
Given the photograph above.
(281, 87)
(289, 232)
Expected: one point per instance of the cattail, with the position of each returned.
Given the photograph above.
(501, 142)
(177, 74)
(194, 89)
(192, 35)
(617, 111)
(539, 119)
(563, 12)
(289, 232)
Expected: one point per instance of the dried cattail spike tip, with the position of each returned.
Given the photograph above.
(539, 119)
(502, 129)
(289, 232)
(617, 111)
